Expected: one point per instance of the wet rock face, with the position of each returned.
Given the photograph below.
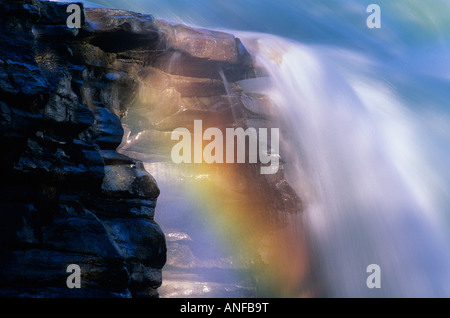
(66, 195)
(67, 97)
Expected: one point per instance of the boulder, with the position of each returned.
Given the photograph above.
(129, 181)
(106, 131)
(204, 44)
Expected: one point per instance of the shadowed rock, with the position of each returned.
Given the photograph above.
(61, 202)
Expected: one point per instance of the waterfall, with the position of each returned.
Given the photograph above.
(227, 89)
(359, 148)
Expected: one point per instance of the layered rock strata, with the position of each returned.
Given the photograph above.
(67, 196)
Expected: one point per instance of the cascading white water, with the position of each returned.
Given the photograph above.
(358, 148)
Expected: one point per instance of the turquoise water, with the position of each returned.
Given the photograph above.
(371, 111)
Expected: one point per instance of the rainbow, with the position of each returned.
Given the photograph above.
(275, 249)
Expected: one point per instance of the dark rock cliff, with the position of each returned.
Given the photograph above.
(67, 195)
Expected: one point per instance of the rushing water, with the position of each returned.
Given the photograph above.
(370, 111)
(367, 151)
